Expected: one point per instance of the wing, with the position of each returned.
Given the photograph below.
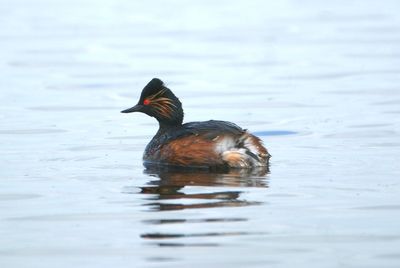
(209, 130)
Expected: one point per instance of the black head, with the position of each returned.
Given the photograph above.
(158, 101)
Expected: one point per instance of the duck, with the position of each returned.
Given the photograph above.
(213, 144)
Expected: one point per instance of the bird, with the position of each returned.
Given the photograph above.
(213, 144)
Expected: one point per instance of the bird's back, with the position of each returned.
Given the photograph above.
(211, 144)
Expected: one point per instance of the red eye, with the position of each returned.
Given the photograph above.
(146, 102)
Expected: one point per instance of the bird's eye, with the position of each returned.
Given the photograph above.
(146, 102)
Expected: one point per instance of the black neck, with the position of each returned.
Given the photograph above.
(163, 126)
(173, 121)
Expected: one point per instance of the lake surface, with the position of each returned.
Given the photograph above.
(318, 81)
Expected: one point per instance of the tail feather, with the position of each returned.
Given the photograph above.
(246, 151)
(237, 158)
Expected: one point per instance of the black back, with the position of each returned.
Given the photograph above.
(207, 129)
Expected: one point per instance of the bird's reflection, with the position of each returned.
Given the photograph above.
(169, 184)
(171, 189)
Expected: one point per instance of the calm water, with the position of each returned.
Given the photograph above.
(317, 81)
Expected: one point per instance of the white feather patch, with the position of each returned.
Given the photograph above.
(223, 144)
(235, 156)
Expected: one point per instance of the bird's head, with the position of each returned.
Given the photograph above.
(158, 101)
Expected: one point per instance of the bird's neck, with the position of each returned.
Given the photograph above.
(165, 126)
(172, 122)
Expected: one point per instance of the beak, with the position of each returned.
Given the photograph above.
(136, 108)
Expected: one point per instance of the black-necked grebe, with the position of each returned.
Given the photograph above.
(209, 144)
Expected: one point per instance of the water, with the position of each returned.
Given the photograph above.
(317, 81)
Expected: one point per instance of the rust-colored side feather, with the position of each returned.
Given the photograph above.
(190, 151)
(256, 141)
